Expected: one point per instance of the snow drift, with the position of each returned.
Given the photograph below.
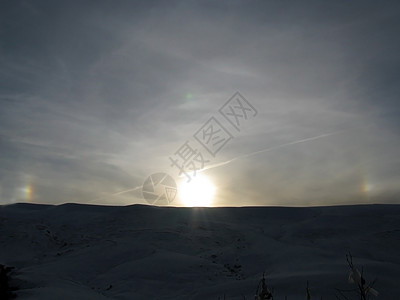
(76, 251)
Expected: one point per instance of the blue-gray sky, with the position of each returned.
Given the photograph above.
(97, 95)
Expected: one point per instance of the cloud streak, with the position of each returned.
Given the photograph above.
(217, 165)
(94, 106)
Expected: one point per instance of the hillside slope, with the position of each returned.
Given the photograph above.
(141, 252)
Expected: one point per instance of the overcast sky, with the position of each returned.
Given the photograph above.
(97, 95)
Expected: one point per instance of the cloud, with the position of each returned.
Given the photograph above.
(93, 98)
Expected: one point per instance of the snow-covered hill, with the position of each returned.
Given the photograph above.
(141, 252)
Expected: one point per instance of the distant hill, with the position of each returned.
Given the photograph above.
(75, 251)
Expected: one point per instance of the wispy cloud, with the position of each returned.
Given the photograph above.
(90, 108)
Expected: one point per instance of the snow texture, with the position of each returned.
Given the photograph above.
(86, 252)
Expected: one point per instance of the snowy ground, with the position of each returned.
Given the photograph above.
(141, 252)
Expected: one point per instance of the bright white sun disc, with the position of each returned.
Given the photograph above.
(199, 191)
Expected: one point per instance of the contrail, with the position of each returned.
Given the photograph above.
(127, 191)
(269, 149)
(117, 193)
(235, 158)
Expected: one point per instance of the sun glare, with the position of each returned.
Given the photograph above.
(198, 192)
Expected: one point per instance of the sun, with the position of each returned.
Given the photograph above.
(199, 191)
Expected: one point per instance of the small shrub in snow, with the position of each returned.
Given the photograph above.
(6, 291)
(363, 289)
(263, 292)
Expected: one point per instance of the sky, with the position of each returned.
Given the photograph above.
(95, 96)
